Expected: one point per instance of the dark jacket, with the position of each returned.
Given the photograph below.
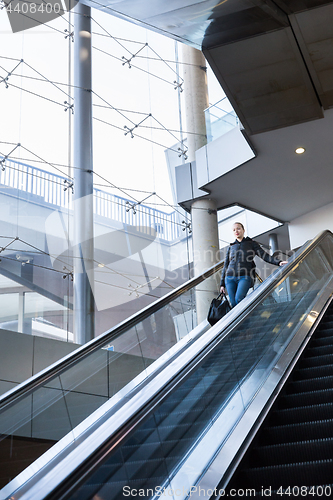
(239, 260)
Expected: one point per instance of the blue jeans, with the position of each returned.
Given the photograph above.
(237, 288)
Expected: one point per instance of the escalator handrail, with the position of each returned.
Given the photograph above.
(140, 402)
(72, 358)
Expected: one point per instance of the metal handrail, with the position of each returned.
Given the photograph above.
(141, 402)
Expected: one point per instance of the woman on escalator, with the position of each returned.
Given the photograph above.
(238, 273)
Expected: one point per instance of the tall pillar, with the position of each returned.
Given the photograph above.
(203, 212)
(273, 242)
(196, 98)
(83, 249)
(205, 252)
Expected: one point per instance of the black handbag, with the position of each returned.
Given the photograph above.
(219, 307)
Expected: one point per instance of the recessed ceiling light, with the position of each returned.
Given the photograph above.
(300, 151)
(100, 265)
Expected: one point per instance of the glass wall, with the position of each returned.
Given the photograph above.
(142, 242)
(140, 253)
(141, 250)
(220, 118)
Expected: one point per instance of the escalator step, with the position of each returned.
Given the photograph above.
(306, 398)
(310, 385)
(322, 341)
(303, 451)
(327, 323)
(323, 333)
(297, 474)
(307, 362)
(304, 431)
(313, 372)
(318, 351)
(302, 414)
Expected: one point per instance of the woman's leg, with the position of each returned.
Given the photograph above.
(243, 286)
(231, 286)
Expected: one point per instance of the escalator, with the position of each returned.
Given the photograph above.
(183, 429)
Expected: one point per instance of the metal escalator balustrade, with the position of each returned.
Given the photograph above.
(186, 425)
(35, 415)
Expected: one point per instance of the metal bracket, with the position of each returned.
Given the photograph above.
(23, 262)
(131, 206)
(128, 61)
(69, 185)
(2, 162)
(183, 152)
(130, 130)
(179, 86)
(5, 80)
(70, 34)
(69, 106)
(69, 274)
(187, 226)
(2, 249)
(136, 288)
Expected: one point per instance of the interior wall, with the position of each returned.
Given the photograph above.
(84, 389)
(22, 356)
(309, 225)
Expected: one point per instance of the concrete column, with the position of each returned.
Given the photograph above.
(205, 252)
(204, 213)
(273, 242)
(196, 98)
(83, 251)
(20, 319)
